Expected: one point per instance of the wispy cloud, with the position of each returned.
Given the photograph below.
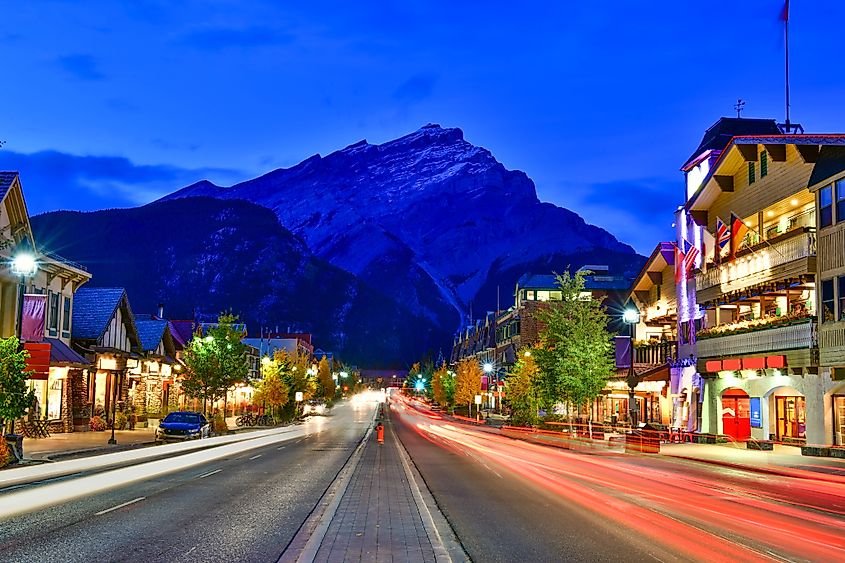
(217, 38)
(56, 180)
(416, 88)
(83, 67)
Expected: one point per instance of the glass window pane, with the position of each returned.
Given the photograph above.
(827, 301)
(825, 196)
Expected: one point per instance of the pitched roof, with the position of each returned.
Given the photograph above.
(6, 179)
(93, 308)
(61, 354)
(720, 133)
(150, 332)
(831, 162)
(182, 331)
(591, 281)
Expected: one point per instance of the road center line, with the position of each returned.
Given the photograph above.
(209, 473)
(255, 457)
(127, 503)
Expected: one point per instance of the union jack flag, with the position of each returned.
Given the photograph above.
(723, 233)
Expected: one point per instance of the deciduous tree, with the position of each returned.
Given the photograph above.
(325, 382)
(575, 352)
(15, 398)
(522, 390)
(467, 381)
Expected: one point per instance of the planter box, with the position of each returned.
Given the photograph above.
(704, 438)
(838, 452)
(816, 451)
(763, 445)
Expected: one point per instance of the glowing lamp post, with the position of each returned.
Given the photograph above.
(24, 266)
(631, 317)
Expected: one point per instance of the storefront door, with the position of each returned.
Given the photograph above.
(736, 417)
(790, 417)
(839, 418)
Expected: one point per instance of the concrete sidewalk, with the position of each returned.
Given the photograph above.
(70, 443)
(737, 455)
(385, 513)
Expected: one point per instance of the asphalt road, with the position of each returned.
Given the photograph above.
(244, 507)
(511, 500)
(498, 516)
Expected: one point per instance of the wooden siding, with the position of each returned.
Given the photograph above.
(831, 258)
(783, 180)
(792, 269)
(116, 335)
(832, 344)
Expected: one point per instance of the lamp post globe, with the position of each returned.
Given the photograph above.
(631, 316)
(488, 367)
(24, 264)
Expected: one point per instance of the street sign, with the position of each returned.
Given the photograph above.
(478, 399)
(299, 396)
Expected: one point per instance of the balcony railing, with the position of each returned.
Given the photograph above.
(763, 340)
(655, 354)
(756, 266)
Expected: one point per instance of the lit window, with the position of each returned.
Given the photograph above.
(828, 301)
(555, 295)
(529, 295)
(826, 206)
(542, 295)
(764, 164)
(750, 173)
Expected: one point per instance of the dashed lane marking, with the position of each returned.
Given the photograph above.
(127, 503)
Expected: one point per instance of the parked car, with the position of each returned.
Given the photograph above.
(183, 425)
(314, 406)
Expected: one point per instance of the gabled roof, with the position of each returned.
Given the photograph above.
(717, 137)
(93, 309)
(537, 281)
(709, 189)
(830, 163)
(6, 179)
(150, 332)
(182, 332)
(661, 256)
(591, 281)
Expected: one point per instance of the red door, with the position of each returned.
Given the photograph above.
(736, 418)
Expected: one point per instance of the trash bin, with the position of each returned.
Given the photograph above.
(644, 439)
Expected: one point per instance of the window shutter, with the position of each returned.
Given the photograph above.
(751, 173)
(764, 164)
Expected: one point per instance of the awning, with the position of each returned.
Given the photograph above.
(62, 355)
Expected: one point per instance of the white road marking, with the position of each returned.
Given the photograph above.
(210, 473)
(255, 457)
(127, 503)
(280, 448)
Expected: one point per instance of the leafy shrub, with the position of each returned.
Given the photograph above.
(120, 421)
(218, 424)
(5, 453)
(97, 424)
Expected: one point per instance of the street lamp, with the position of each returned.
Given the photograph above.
(24, 266)
(631, 317)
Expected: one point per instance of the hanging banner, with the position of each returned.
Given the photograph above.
(756, 412)
(34, 317)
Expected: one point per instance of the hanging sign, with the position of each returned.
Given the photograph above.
(756, 414)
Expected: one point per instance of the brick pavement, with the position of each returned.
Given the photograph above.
(378, 518)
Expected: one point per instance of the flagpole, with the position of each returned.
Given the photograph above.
(786, 41)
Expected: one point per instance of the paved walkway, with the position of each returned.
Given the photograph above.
(734, 454)
(378, 518)
(65, 443)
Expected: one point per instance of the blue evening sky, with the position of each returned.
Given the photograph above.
(112, 104)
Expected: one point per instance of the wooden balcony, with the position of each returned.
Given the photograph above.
(789, 257)
(763, 340)
(655, 354)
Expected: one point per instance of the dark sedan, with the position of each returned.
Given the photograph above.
(183, 426)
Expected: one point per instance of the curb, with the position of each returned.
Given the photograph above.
(815, 475)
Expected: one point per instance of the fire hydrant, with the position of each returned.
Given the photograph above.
(380, 433)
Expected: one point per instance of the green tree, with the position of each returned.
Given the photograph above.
(215, 361)
(15, 398)
(325, 382)
(467, 382)
(522, 390)
(575, 351)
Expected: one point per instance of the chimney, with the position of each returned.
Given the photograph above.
(161, 310)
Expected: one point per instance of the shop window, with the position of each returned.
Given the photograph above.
(828, 301)
(840, 201)
(529, 295)
(764, 164)
(66, 316)
(542, 295)
(555, 295)
(54, 399)
(750, 173)
(790, 416)
(826, 206)
(841, 280)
